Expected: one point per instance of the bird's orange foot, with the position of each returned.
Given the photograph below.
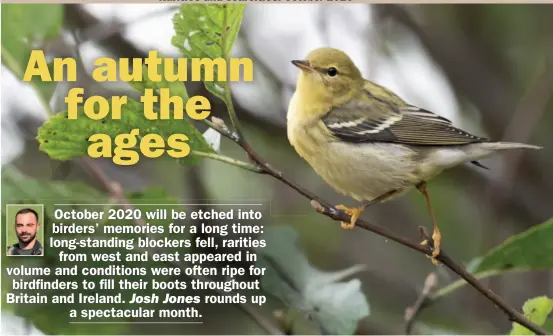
(437, 238)
(353, 212)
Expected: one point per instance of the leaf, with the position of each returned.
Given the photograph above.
(532, 249)
(536, 310)
(549, 325)
(175, 88)
(51, 318)
(207, 31)
(336, 306)
(26, 27)
(65, 139)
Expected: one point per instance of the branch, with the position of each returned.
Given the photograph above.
(226, 159)
(411, 312)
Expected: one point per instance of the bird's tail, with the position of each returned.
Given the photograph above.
(483, 149)
(499, 146)
(476, 151)
(487, 148)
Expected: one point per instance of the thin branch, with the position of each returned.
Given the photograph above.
(231, 161)
(219, 125)
(460, 283)
(411, 312)
(227, 95)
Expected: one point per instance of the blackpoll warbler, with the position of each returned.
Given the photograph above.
(368, 143)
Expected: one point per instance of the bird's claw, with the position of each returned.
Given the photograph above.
(353, 212)
(436, 237)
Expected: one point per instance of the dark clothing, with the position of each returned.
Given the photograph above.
(36, 250)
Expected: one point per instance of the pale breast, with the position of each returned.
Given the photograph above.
(366, 171)
(361, 171)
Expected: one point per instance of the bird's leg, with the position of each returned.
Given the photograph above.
(356, 212)
(436, 235)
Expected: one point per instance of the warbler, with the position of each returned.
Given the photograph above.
(367, 142)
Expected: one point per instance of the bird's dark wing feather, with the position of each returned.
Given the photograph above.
(377, 120)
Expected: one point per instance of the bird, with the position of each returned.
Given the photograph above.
(368, 143)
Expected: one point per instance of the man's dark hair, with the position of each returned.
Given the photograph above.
(25, 211)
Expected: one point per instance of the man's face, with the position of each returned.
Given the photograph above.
(26, 226)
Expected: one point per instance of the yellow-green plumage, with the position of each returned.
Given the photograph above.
(363, 139)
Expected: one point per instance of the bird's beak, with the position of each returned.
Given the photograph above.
(303, 65)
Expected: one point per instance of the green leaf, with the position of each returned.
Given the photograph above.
(65, 139)
(336, 306)
(207, 31)
(549, 325)
(26, 27)
(51, 318)
(175, 88)
(532, 249)
(536, 310)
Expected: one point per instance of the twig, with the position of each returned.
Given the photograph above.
(411, 312)
(228, 160)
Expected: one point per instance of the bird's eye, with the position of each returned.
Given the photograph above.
(332, 72)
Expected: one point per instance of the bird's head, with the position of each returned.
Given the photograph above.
(328, 76)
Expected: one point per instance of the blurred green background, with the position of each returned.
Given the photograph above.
(496, 59)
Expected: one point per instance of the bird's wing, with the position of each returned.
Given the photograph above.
(374, 118)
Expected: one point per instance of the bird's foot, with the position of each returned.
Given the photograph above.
(353, 212)
(436, 238)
